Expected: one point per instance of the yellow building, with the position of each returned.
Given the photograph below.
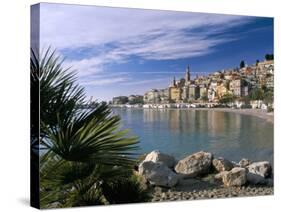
(174, 91)
(175, 94)
(221, 90)
(203, 91)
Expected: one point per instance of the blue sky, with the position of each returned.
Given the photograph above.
(119, 51)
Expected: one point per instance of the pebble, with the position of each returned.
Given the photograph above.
(213, 193)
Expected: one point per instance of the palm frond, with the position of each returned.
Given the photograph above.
(80, 149)
(88, 138)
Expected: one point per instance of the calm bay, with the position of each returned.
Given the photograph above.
(182, 132)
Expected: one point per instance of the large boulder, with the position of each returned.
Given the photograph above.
(255, 179)
(244, 162)
(221, 164)
(156, 156)
(220, 175)
(195, 164)
(158, 174)
(260, 168)
(236, 177)
(269, 181)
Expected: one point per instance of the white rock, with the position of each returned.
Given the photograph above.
(156, 156)
(220, 175)
(221, 164)
(260, 168)
(244, 162)
(158, 174)
(236, 177)
(195, 164)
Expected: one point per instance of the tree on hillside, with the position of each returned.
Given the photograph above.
(257, 62)
(227, 98)
(256, 94)
(269, 57)
(268, 96)
(242, 64)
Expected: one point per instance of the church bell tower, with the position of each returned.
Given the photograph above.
(187, 75)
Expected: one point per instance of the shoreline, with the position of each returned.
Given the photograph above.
(259, 113)
(204, 188)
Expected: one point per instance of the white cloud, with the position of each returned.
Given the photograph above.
(105, 81)
(94, 64)
(72, 26)
(172, 45)
(123, 78)
(148, 34)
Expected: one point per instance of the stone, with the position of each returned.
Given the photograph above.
(262, 168)
(195, 164)
(235, 177)
(269, 182)
(220, 175)
(158, 189)
(255, 179)
(244, 162)
(158, 174)
(221, 164)
(156, 156)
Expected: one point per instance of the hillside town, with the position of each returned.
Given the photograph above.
(246, 86)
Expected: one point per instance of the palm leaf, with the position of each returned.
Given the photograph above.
(80, 150)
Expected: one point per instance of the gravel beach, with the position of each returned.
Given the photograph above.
(193, 189)
(245, 191)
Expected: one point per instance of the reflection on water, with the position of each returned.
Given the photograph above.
(181, 132)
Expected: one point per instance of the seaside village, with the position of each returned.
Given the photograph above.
(244, 87)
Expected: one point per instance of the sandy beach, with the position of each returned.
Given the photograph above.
(252, 112)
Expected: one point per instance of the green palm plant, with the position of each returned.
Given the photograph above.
(80, 149)
(59, 92)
